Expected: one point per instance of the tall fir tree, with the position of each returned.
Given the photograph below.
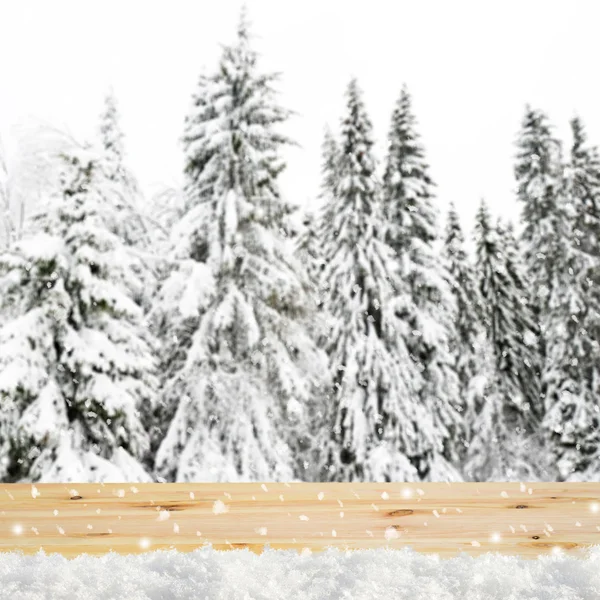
(76, 365)
(240, 364)
(310, 255)
(378, 425)
(133, 228)
(468, 341)
(131, 223)
(572, 370)
(429, 305)
(541, 189)
(538, 172)
(527, 365)
(112, 138)
(310, 243)
(507, 422)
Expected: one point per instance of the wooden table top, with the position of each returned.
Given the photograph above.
(526, 519)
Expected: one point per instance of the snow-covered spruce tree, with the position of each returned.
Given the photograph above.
(331, 156)
(309, 253)
(538, 172)
(75, 363)
(309, 246)
(505, 426)
(428, 306)
(377, 423)
(240, 365)
(112, 143)
(468, 341)
(572, 368)
(131, 223)
(530, 367)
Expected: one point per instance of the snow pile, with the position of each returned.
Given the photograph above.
(206, 574)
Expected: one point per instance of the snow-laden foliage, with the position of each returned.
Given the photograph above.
(309, 246)
(76, 363)
(131, 222)
(239, 364)
(309, 252)
(377, 422)
(497, 450)
(572, 367)
(428, 305)
(214, 332)
(508, 418)
(467, 343)
(538, 172)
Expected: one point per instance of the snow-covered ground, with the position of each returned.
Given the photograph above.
(206, 574)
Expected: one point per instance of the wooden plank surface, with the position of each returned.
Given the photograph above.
(510, 518)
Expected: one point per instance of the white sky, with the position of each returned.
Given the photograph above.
(470, 65)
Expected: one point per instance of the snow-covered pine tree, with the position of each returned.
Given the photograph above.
(429, 305)
(504, 428)
(377, 422)
(309, 244)
(529, 366)
(572, 369)
(468, 341)
(330, 152)
(112, 143)
(133, 227)
(538, 172)
(310, 253)
(75, 362)
(240, 364)
(541, 191)
(131, 223)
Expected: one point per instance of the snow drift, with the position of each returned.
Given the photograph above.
(206, 574)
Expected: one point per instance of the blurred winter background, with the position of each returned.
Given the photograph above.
(311, 241)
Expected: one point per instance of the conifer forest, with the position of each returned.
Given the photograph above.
(224, 333)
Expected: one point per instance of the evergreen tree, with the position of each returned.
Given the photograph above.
(241, 365)
(310, 254)
(130, 223)
(572, 370)
(309, 245)
(541, 190)
(133, 229)
(527, 363)
(75, 362)
(330, 152)
(428, 306)
(468, 341)
(505, 425)
(538, 172)
(310, 242)
(112, 143)
(377, 424)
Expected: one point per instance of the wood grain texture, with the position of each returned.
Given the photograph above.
(510, 518)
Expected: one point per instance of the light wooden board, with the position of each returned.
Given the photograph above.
(510, 518)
